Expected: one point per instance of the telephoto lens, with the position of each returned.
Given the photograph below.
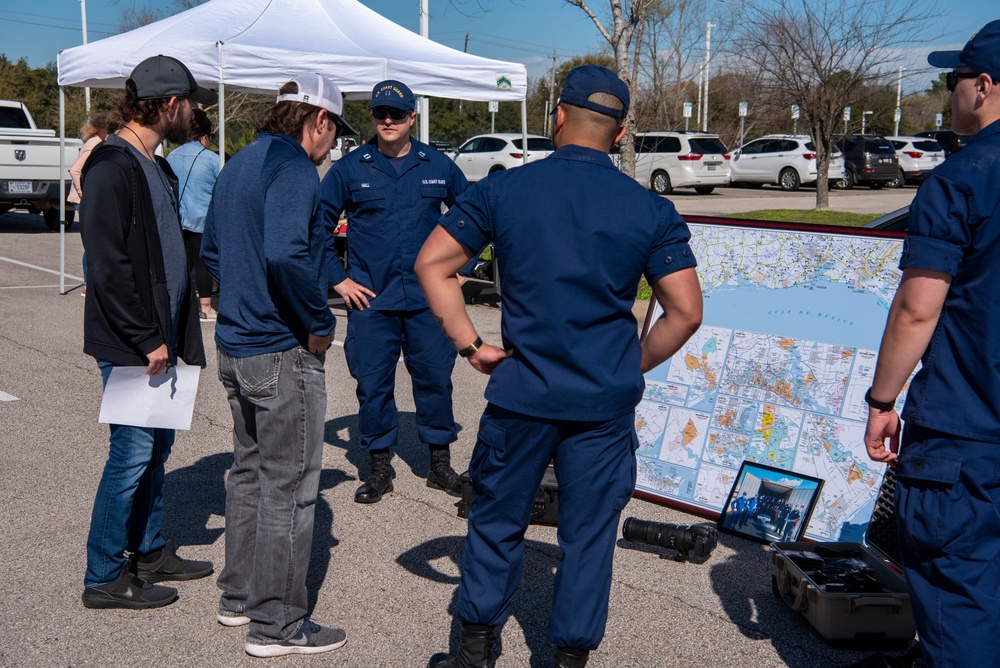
(698, 540)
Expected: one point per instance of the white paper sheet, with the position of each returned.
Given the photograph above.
(165, 400)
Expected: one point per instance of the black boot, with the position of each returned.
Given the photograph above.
(379, 480)
(476, 650)
(441, 475)
(570, 658)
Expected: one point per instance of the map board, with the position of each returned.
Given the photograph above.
(777, 373)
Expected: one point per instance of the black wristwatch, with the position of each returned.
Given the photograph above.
(471, 350)
(884, 406)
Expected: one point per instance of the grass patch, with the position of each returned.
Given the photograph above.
(842, 218)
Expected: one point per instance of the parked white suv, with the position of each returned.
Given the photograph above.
(917, 156)
(668, 160)
(787, 160)
(485, 154)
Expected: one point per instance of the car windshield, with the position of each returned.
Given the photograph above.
(929, 145)
(879, 146)
(708, 146)
(535, 144)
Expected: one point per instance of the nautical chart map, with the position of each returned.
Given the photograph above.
(777, 374)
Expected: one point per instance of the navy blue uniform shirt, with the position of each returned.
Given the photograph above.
(389, 217)
(955, 228)
(572, 237)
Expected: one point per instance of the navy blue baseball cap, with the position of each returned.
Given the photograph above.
(981, 53)
(393, 94)
(584, 81)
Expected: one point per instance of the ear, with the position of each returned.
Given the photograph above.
(618, 137)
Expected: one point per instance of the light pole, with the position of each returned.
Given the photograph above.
(83, 22)
(899, 97)
(864, 117)
(708, 43)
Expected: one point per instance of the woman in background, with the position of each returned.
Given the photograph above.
(196, 169)
(92, 133)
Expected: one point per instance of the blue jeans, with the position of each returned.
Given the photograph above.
(278, 402)
(128, 509)
(595, 469)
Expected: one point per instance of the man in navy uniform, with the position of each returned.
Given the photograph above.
(392, 189)
(946, 314)
(574, 236)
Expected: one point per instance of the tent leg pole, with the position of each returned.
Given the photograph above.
(62, 191)
(524, 130)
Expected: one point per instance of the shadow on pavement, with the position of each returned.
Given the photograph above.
(530, 607)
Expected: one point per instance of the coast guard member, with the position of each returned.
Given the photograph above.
(575, 235)
(947, 314)
(392, 189)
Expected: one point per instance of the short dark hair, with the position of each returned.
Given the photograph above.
(144, 112)
(287, 117)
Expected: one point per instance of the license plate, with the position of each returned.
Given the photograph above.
(19, 187)
(711, 168)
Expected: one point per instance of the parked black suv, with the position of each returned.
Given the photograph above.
(950, 142)
(868, 160)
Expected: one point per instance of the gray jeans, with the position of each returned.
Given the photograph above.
(279, 411)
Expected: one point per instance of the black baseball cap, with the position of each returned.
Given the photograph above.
(160, 77)
(584, 81)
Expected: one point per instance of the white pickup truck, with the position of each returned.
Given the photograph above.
(29, 165)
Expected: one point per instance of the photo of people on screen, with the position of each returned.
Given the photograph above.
(768, 504)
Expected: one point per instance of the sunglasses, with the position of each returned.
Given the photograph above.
(380, 114)
(951, 78)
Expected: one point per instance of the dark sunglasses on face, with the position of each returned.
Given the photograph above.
(951, 78)
(379, 114)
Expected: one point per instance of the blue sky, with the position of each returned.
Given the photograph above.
(524, 31)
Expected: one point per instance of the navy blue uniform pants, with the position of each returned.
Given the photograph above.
(595, 466)
(374, 342)
(948, 510)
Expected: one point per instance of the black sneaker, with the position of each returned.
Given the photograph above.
(311, 639)
(128, 591)
(164, 564)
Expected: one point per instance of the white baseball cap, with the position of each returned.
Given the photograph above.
(317, 90)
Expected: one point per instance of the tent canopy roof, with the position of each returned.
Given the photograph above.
(258, 45)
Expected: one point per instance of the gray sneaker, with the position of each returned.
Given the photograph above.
(227, 618)
(311, 639)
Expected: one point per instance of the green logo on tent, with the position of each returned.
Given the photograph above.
(504, 82)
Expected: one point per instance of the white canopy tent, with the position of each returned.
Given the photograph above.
(258, 45)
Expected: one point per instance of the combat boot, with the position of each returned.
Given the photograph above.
(442, 476)
(570, 658)
(476, 650)
(379, 480)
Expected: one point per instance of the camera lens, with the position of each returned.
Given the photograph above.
(698, 540)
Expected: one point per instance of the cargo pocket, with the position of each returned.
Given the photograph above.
(626, 475)
(934, 506)
(258, 375)
(487, 462)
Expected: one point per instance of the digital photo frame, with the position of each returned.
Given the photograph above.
(768, 504)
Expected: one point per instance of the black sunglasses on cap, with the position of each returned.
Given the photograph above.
(380, 113)
(951, 78)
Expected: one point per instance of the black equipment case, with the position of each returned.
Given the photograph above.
(841, 612)
(545, 510)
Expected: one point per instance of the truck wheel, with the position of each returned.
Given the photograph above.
(51, 218)
(789, 179)
(660, 183)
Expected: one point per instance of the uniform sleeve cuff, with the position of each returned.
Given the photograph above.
(668, 259)
(930, 254)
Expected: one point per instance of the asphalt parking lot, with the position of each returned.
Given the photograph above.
(388, 573)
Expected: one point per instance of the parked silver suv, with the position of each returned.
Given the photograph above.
(668, 160)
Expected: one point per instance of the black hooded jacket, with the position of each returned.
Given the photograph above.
(127, 312)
